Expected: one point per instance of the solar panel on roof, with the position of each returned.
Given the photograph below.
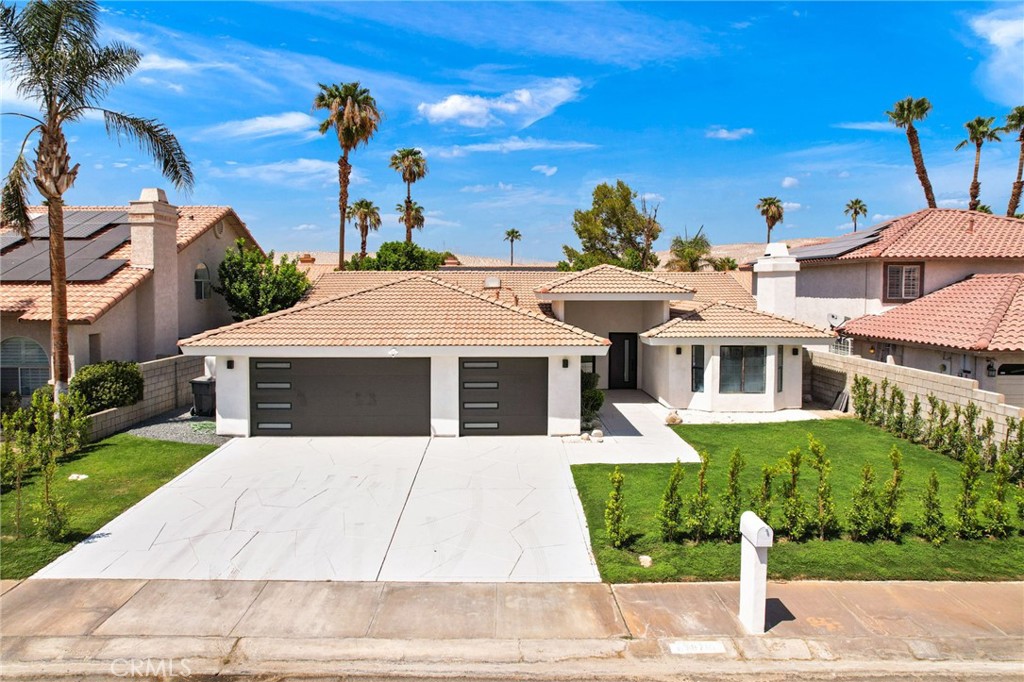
(838, 246)
(8, 239)
(86, 228)
(97, 270)
(26, 270)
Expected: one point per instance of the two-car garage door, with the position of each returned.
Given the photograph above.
(391, 397)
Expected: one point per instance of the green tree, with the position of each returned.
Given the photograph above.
(412, 164)
(615, 512)
(353, 116)
(1015, 124)
(968, 525)
(996, 509)
(512, 236)
(724, 263)
(16, 458)
(732, 499)
(670, 511)
(826, 523)
(701, 517)
(690, 254)
(253, 284)
(401, 256)
(761, 504)
(979, 131)
(772, 211)
(863, 522)
(795, 513)
(890, 524)
(410, 215)
(51, 51)
(903, 115)
(933, 526)
(613, 230)
(367, 216)
(854, 209)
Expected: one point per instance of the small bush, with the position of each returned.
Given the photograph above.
(896, 420)
(589, 380)
(914, 423)
(996, 509)
(761, 504)
(795, 514)
(108, 384)
(890, 525)
(863, 523)
(701, 521)
(826, 524)
(16, 459)
(968, 525)
(732, 499)
(590, 404)
(670, 512)
(615, 512)
(933, 526)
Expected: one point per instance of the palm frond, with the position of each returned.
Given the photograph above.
(155, 139)
(14, 198)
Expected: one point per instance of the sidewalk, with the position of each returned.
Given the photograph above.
(75, 628)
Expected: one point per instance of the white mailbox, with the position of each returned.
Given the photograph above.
(757, 538)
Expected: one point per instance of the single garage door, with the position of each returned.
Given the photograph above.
(339, 397)
(503, 396)
(1010, 382)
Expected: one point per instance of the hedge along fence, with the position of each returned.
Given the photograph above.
(165, 387)
(831, 373)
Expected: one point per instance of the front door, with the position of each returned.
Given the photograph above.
(622, 360)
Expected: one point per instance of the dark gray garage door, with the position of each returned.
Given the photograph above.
(339, 397)
(503, 396)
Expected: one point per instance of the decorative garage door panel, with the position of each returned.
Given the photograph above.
(503, 396)
(339, 397)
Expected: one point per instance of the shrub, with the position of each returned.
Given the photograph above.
(969, 431)
(968, 526)
(873, 403)
(896, 421)
(16, 458)
(591, 401)
(615, 512)
(72, 424)
(589, 380)
(761, 504)
(890, 525)
(860, 390)
(253, 284)
(701, 514)
(989, 447)
(795, 515)
(1012, 448)
(670, 513)
(955, 441)
(882, 413)
(108, 384)
(996, 509)
(933, 525)
(863, 523)
(732, 499)
(826, 524)
(914, 424)
(932, 425)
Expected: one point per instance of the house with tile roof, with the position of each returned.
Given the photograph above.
(139, 279)
(485, 351)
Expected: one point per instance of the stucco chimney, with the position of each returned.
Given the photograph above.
(155, 247)
(776, 281)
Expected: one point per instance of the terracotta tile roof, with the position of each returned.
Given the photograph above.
(610, 279)
(711, 287)
(983, 312)
(393, 314)
(943, 233)
(87, 301)
(725, 320)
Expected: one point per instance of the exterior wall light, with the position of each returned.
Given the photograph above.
(991, 369)
(565, 363)
(871, 350)
(393, 353)
(231, 364)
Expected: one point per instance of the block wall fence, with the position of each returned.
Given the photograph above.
(828, 374)
(165, 387)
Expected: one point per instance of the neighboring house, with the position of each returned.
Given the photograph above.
(139, 279)
(465, 351)
(881, 267)
(973, 329)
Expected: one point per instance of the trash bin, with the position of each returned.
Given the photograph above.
(204, 396)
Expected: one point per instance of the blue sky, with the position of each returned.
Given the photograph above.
(523, 108)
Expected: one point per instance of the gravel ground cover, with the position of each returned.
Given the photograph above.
(179, 426)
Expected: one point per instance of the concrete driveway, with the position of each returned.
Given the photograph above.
(359, 509)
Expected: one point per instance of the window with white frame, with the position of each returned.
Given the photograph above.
(742, 369)
(202, 281)
(24, 366)
(902, 281)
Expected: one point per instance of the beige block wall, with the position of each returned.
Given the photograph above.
(832, 373)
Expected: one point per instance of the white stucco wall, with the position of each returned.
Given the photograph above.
(605, 317)
(233, 397)
(195, 316)
(563, 396)
(850, 290)
(444, 396)
(941, 273)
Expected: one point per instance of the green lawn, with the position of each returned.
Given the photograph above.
(122, 470)
(850, 444)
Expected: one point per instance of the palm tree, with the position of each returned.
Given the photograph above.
(512, 236)
(412, 165)
(771, 209)
(903, 115)
(366, 214)
(984, 208)
(411, 215)
(979, 131)
(855, 208)
(50, 50)
(1015, 123)
(354, 116)
(690, 254)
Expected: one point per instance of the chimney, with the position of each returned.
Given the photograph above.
(776, 281)
(451, 261)
(154, 246)
(307, 259)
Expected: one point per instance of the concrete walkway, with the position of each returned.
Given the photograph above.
(818, 630)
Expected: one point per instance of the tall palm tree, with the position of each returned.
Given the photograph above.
(855, 208)
(411, 215)
(1015, 124)
(512, 236)
(979, 131)
(365, 214)
(771, 209)
(354, 117)
(412, 165)
(51, 51)
(903, 115)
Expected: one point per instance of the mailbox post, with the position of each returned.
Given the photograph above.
(757, 538)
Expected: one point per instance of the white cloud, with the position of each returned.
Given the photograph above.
(873, 126)
(544, 169)
(98, 166)
(791, 206)
(296, 173)
(844, 174)
(1003, 30)
(952, 203)
(173, 87)
(287, 123)
(740, 25)
(118, 164)
(521, 107)
(722, 133)
(475, 189)
(652, 196)
(306, 227)
(880, 217)
(514, 144)
(789, 182)
(154, 62)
